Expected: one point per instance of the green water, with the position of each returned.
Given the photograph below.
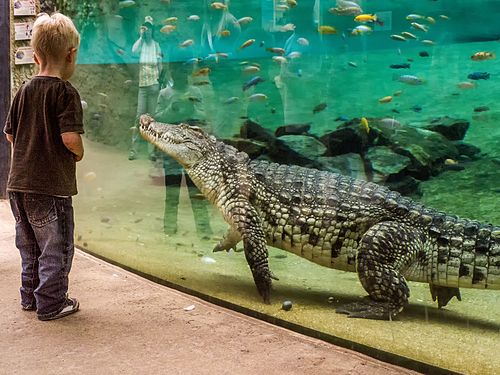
(120, 210)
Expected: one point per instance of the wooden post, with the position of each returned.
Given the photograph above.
(5, 93)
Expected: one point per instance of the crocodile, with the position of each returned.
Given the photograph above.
(334, 221)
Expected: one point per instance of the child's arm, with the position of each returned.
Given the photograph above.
(73, 142)
(9, 137)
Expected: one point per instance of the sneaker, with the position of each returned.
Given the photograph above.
(71, 305)
(29, 307)
(132, 155)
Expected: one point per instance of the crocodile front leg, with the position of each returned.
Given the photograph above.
(229, 241)
(247, 223)
(385, 251)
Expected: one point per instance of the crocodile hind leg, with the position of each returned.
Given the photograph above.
(385, 251)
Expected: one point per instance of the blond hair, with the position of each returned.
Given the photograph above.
(54, 36)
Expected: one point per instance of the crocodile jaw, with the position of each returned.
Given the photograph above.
(186, 144)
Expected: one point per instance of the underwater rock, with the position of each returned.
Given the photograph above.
(403, 184)
(351, 165)
(452, 129)
(465, 149)
(293, 129)
(276, 150)
(348, 137)
(305, 145)
(384, 161)
(252, 147)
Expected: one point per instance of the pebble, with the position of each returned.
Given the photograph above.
(105, 220)
(482, 108)
(90, 176)
(189, 308)
(331, 300)
(287, 305)
(207, 260)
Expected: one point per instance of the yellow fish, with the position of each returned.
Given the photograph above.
(169, 20)
(327, 30)
(249, 42)
(201, 72)
(218, 5)
(366, 18)
(167, 29)
(482, 56)
(225, 33)
(364, 125)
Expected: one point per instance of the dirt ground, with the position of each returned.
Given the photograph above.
(129, 325)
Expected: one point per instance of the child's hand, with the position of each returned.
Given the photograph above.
(142, 30)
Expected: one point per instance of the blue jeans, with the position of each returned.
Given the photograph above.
(44, 237)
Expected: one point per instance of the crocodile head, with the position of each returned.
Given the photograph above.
(186, 144)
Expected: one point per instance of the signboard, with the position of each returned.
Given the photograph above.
(24, 55)
(24, 7)
(23, 30)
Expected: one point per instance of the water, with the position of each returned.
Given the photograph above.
(121, 210)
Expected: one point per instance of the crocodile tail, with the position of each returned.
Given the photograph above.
(466, 253)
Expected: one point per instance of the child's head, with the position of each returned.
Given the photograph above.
(54, 38)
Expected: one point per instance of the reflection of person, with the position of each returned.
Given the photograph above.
(181, 103)
(44, 126)
(150, 67)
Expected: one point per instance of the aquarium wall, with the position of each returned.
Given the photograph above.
(400, 93)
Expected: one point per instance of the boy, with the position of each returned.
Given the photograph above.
(44, 126)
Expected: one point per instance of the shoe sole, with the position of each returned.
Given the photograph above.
(63, 314)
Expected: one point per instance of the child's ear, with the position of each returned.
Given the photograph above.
(37, 62)
(71, 55)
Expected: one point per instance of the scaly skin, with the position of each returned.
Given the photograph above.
(335, 221)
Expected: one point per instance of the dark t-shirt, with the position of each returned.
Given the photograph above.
(43, 109)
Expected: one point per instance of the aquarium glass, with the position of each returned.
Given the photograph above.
(401, 93)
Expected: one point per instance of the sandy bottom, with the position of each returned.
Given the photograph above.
(119, 215)
(129, 325)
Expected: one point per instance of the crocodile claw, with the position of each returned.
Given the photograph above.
(368, 309)
(263, 283)
(444, 294)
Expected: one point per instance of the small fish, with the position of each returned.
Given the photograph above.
(201, 72)
(128, 82)
(352, 64)
(400, 66)
(368, 18)
(294, 55)
(428, 42)
(249, 42)
(444, 17)
(299, 73)
(277, 50)
(218, 5)
(245, 20)
(482, 108)
(193, 18)
(232, 99)
(479, 75)
(287, 27)
(419, 27)
(413, 17)
(194, 99)
(431, 20)
(252, 82)
(364, 125)
(320, 107)
(416, 108)
(385, 99)
(409, 79)
(399, 38)
(327, 30)
(126, 4)
(251, 69)
(258, 97)
(280, 59)
(361, 30)
(397, 93)
(466, 85)
(167, 29)
(423, 54)
(105, 96)
(120, 51)
(482, 56)
(292, 3)
(186, 43)
(346, 11)
(408, 35)
(193, 60)
(282, 7)
(225, 33)
(169, 20)
(303, 42)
